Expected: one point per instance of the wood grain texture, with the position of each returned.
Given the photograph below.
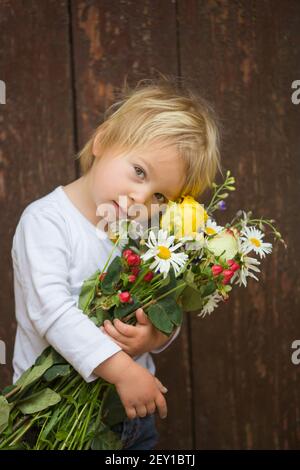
(245, 57)
(36, 152)
(231, 381)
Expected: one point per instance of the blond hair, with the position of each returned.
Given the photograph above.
(165, 110)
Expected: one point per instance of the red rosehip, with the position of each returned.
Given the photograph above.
(234, 267)
(133, 260)
(131, 278)
(230, 262)
(148, 276)
(124, 296)
(226, 280)
(216, 269)
(135, 270)
(126, 253)
(227, 273)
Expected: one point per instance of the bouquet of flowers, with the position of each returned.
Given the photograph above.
(186, 263)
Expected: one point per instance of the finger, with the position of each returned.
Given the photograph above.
(131, 412)
(126, 330)
(161, 387)
(141, 316)
(118, 342)
(141, 411)
(161, 406)
(151, 408)
(111, 330)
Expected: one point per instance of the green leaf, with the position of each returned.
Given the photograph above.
(35, 372)
(124, 309)
(191, 299)
(61, 435)
(106, 439)
(112, 276)
(172, 309)
(227, 288)
(159, 317)
(39, 401)
(4, 413)
(179, 291)
(168, 286)
(40, 359)
(58, 370)
(208, 289)
(189, 276)
(52, 422)
(8, 389)
(101, 315)
(113, 411)
(87, 292)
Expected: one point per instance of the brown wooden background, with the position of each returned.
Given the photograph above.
(231, 381)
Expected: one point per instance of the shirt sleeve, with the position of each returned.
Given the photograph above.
(170, 340)
(41, 253)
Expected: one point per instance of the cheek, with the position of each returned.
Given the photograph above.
(111, 181)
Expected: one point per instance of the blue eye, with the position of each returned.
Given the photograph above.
(137, 168)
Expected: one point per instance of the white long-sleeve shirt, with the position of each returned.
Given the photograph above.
(55, 248)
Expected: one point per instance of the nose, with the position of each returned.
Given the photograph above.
(140, 197)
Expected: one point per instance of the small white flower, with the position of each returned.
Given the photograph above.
(161, 248)
(248, 264)
(211, 304)
(211, 228)
(252, 239)
(119, 229)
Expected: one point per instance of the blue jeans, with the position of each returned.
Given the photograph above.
(138, 433)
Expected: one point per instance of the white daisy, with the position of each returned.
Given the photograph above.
(161, 248)
(211, 228)
(211, 304)
(248, 264)
(253, 240)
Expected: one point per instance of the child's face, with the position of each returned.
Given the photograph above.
(140, 181)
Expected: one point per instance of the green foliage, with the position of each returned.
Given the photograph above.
(105, 439)
(38, 401)
(124, 309)
(191, 299)
(58, 370)
(88, 291)
(112, 277)
(114, 411)
(164, 314)
(4, 413)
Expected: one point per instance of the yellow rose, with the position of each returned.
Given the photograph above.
(184, 218)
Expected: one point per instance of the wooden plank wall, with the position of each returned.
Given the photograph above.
(231, 381)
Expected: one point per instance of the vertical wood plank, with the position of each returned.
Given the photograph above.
(111, 40)
(245, 56)
(36, 127)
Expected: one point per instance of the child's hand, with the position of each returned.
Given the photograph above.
(138, 339)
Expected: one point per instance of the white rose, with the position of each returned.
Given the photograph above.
(224, 240)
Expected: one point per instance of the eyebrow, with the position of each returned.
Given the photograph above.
(151, 168)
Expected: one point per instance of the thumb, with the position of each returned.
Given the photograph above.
(141, 316)
(161, 387)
